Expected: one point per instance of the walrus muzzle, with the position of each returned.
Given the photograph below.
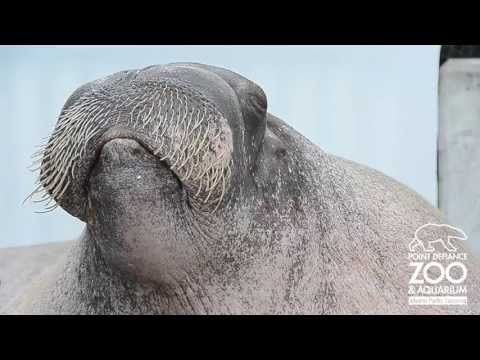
(169, 118)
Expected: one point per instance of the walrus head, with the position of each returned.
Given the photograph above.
(151, 159)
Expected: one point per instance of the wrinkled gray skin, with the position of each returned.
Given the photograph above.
(299, 231)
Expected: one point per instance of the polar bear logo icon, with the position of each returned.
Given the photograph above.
(430, 234)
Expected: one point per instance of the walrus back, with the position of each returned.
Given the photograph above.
(385, 217)
(21, 267)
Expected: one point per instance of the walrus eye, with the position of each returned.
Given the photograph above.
(281, 153)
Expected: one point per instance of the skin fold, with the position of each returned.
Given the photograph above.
(267, 224)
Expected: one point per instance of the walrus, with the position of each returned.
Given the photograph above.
(197, 200)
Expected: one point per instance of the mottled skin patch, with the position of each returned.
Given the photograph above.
(299, 231)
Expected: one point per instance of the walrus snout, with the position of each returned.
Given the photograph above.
(171, 118)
